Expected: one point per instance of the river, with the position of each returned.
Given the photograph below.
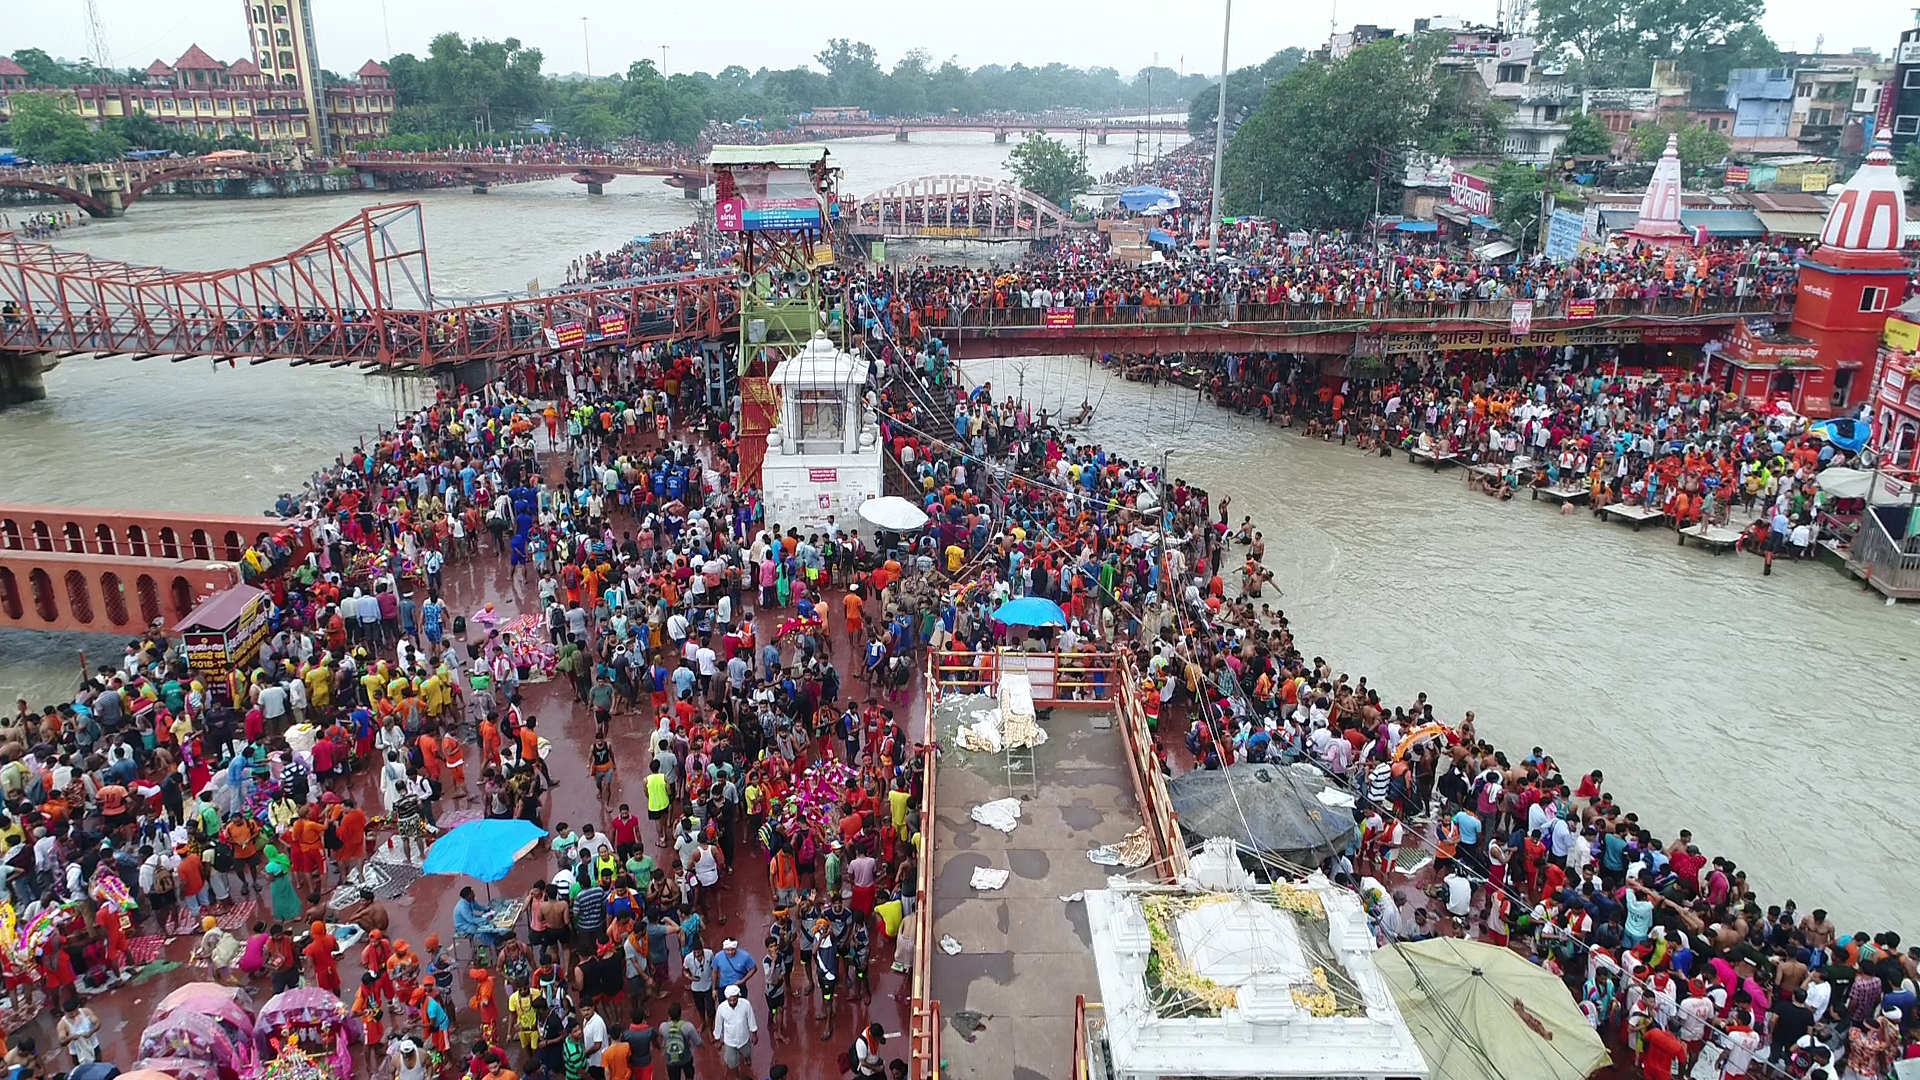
(1764, 713)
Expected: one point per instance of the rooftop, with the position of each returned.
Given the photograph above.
(1243, 979)
(8, 67)
(371, 70)
(196, 57)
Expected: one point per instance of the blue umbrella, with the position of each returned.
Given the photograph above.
(1031, 611)
(483, 850)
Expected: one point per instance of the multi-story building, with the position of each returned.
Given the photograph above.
(1900, 108)
(276, 97)
(360, 110)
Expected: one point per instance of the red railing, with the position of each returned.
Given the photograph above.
(1149, 783)
(361, 293)
(923, 1021)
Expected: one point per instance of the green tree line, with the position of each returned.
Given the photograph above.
(481, 86)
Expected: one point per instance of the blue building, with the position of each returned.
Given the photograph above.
(1762, 102)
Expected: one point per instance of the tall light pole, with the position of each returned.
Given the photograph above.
(1219, 137)
(663, 61)
(586, 41)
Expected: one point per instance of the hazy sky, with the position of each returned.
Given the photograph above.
(1122, 33)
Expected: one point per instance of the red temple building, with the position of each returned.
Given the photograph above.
(1825, 363)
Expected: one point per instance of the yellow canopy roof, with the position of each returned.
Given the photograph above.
(1482, 1012)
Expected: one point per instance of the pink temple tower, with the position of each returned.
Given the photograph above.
(1659, 222)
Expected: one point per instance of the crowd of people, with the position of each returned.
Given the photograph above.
(41, 224)
(1670, 952)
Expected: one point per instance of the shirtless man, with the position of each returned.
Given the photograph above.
(1819, 935)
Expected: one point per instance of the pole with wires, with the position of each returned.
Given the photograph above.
(1219, 138)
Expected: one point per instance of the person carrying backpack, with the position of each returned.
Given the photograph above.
(678, 1040)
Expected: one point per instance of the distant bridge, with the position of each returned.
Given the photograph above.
(360, 294)
(105, 189)
(958, 207)
(1098, 129)
(480, 169)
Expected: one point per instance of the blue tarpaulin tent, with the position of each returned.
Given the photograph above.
(1161, 238)
(1418, 226)
(1147, 199)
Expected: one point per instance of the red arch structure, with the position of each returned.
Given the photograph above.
(94, 206)
(361, 293)
(85, 185)
(192, 169)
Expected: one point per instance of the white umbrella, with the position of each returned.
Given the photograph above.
(893, 512)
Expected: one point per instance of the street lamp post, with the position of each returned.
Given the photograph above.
(1219, 137)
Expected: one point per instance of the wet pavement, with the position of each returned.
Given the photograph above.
(427, 906)
(1025, 952)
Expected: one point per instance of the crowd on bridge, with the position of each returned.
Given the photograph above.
(625, 152)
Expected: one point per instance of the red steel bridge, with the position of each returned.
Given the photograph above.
(480, 168)
(360, 294)
(106, 189)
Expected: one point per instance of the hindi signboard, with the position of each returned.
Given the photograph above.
(1058, 316)
(1470, 193)
(1520, 318)
(1564, 230)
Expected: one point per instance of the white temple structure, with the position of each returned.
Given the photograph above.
(1660, 207)
(1253, 981)
(824, 455)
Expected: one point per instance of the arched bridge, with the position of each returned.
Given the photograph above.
(1000, 129)
(480, 168)
(361, 293)
(958, 207)
(106, 189)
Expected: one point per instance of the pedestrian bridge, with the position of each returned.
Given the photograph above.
(953, 206)
(105, 189)
(360, 294)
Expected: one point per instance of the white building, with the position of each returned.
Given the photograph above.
(1248, 981)
(823, 458)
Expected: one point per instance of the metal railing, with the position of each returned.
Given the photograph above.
(1150, 784)
(923, 1020)
(1057, 678)
(1672, 307)
(1887, 564)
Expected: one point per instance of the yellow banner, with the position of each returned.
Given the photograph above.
(1903, 335)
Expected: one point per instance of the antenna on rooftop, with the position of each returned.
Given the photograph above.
(97, 36)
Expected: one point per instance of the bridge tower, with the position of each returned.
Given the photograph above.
(774, 202)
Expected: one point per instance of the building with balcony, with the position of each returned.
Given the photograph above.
(362, 110)
(272, 97)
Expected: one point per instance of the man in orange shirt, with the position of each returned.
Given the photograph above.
(319, 953)
(305, 838)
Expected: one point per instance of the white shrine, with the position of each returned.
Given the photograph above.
(824, 455)
(1660, 207)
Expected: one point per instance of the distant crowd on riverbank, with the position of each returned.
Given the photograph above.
(41, 224)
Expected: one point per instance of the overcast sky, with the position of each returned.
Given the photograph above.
(1122, 33)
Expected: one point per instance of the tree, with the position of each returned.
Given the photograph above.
(44, 70)
(1909, 164)
(854, 70)
(1327, 138)
(44, 129)
(1516, 191)
(1699, 145)
(1048, 168)
(1617, 41)
(1245, 88)
(1587, 137)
